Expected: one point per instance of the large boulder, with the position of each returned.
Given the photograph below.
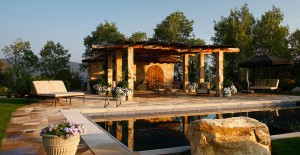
(231, 136)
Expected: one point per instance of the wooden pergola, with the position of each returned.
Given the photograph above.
(157, 52)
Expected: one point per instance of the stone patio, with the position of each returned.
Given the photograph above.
(23, 131)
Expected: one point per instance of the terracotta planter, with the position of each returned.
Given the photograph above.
(55, 145)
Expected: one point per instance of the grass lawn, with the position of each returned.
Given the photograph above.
(286, 146)
(7, 107)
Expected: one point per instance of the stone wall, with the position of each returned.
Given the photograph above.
(231, 136)
(96, 70)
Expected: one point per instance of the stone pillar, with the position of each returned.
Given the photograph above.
(131, 70)
(185, 123)
(220, 76)
(185, 65)
(219, 116)
(201, 69)
(88, 88)
(109, 126)
(119, 130)
(131, 134)
(118, 66)
(109, 68)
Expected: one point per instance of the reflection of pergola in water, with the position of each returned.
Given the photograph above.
(143, 57)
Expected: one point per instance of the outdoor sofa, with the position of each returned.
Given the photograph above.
(54, 89)
(265, 84)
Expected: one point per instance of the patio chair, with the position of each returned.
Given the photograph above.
(172, 89)
(203, 88)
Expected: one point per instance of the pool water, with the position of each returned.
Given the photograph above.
(166, 134)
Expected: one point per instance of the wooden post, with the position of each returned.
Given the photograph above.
(185, 123)
(131, 134)
(119, 130)
(131, 71)
(118, 66)
(109, 68)
(220, 76)
(201, 69)
(185, 65)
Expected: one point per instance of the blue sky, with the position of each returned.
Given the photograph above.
(69, 21)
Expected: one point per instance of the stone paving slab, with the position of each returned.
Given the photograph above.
(97, 140)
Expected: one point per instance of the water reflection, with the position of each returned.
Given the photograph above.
(157, 133)
(278, 121)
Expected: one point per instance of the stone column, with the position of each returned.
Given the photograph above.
(109, 126)
(201, 69)
(119, 130)
(131, 134)
(219, 116)
(185, 65)
(109, 68)
(185, 123)
(220, 76)
(118, 66)
(89, 76)
(131, 70)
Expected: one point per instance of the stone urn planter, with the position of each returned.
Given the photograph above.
(227, 94)
(55, 145)
(192, 90)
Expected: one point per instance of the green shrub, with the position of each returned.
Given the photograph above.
(3, 90)
(287, 84)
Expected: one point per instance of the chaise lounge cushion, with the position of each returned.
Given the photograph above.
(57, 86)
(42, 87)
(53, 88)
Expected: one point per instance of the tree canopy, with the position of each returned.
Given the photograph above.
(139, 36)
(54, 59)
(269, 36)
(236, 29)
(104, 33)
(20, 55)
(175, 28)
(23, 62)
(294, 41)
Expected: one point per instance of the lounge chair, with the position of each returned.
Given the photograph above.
(203, 88)
(54, 89)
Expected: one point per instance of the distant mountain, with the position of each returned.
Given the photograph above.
(75, 66)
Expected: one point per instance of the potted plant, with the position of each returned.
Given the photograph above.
(192, 87)
(62, 138)
(228, 91)
(121, 93)
(101, 89)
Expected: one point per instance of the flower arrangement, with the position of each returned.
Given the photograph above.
(233, 89)
(65, 129)
(230, 90)
(192, 86)
(102, 88)
(227, 90)
(119, 91)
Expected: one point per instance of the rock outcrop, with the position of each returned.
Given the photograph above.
(231, 136)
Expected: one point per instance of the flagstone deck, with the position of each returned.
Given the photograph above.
(26, 123)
